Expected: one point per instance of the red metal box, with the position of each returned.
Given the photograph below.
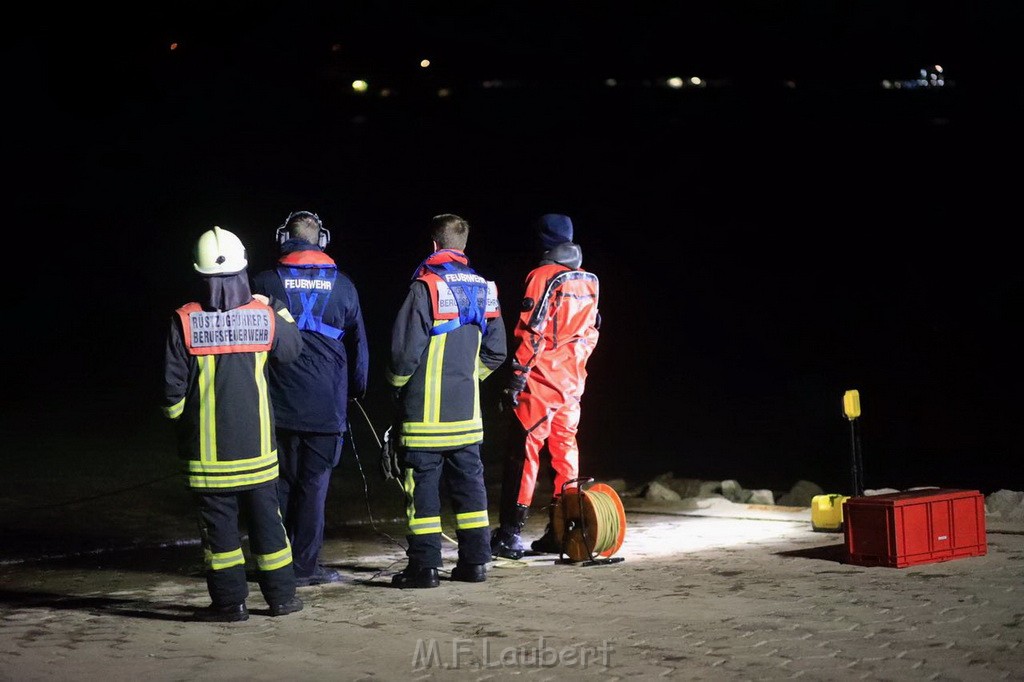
(914, 527)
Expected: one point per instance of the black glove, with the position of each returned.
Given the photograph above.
(515, 386)
(390, 461)
(507, 402)
(517, 383)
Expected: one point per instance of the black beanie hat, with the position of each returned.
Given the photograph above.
(554, 229)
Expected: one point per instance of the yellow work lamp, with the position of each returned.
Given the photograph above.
(851, 408)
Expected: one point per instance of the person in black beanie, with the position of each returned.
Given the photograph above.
(557, 330)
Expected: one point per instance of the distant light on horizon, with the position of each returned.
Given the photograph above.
(424, 63)
(360, 85)
(930, 79)
(695, 80)
(174, 46)
(675, 82)
(444, 92)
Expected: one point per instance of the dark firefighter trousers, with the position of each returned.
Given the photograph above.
(221, 517)
(306, 462)
(462, 472)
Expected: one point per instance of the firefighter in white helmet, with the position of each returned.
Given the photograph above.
(215, 377)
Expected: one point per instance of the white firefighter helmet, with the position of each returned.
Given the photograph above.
(219, 252)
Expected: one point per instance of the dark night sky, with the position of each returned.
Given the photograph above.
(761, 249)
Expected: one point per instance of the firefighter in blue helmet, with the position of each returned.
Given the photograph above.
(311, 395)
(448, 336)
(215, 389)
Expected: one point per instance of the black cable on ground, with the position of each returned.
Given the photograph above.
(362, 474)
(366, 491)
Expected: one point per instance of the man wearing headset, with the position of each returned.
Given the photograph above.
(311, 394)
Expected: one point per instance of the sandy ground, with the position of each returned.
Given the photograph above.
(736, 592)
(99, 574)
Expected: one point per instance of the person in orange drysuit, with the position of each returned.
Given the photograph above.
(555, 334)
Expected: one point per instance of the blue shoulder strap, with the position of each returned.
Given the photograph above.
(309, 302)
(471, 297)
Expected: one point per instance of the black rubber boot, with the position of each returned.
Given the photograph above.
(291, 606)
(469, 573)
(232, 613)
(505, 540)
(416, 577)
(548, 543)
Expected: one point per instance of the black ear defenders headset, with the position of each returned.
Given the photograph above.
(322, 240)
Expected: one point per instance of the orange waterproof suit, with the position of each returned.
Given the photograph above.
(555, 334)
